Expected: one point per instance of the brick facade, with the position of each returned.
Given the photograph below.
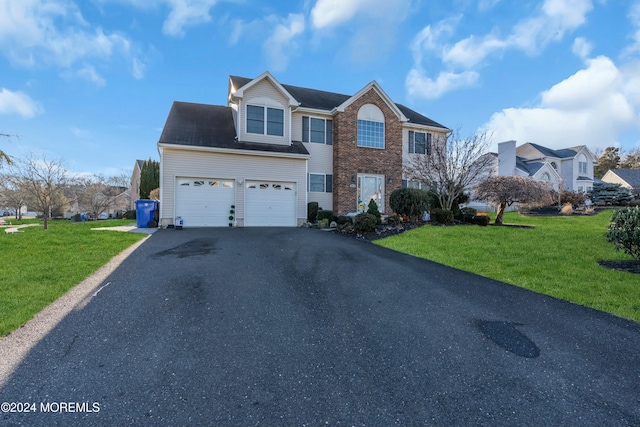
(349, 160)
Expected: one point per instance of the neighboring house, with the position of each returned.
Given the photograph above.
(276, 147)
(627, 178)
(135, 184)
(567, 168)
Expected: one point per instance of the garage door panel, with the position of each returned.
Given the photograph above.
(204, 202)
(269, 203)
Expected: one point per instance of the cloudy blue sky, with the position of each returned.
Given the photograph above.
(92, 81)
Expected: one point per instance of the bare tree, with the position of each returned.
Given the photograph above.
(122, 179)
(507, 190)
(44, 181)
(95, 195)
(13, 191)
(454, 165)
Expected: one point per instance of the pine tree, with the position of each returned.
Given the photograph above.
(149, 178)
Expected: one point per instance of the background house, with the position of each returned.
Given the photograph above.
(134, 193)
(627, 178)
(567, 168)
(274, 147)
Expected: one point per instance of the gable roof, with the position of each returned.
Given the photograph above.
(530, 150)
(323, 100)
(630, 176)
(212, 126)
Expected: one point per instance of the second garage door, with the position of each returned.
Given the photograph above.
(269, 203)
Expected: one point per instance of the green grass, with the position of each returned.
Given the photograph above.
(37, 266)
(558, 257)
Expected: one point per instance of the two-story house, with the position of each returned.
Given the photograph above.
(274, 147)
(567, 168)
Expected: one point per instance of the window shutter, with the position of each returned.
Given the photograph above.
(329, 183)
(308, 182)
(411, 142)
(305, 129)
(404, 183)
(329, 133)
(428, 148)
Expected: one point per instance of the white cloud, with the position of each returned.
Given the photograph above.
(550, 23)
(281, 42)
(634, 17)
(88, 72)
(49, 32)
(18, 103)
(330, 13)
(592, 107)
(581, 47)
(138, 68)
(186, 13)
(419, 85)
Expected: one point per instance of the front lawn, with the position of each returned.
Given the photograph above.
(37, 266)
(558, 257)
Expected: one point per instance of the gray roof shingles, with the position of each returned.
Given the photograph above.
(204, 125)
(631, 176)
(322, 100)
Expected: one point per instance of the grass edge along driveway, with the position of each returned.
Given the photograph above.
(559, 257)
(38, 266)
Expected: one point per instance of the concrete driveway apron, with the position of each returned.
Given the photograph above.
(301, 327)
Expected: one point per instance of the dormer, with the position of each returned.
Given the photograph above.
(263, 109)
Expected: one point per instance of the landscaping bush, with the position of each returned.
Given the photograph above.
(442, 216)
(343, 219)
(575, 198)
(624, 231)
(76, 218)
(325, 214)
(394, 219)
(129, 214)
(465, 214)
(482, 220)
(364, 223)
(410, 202)
(605, 193)
(373, 210)
(312, 211)
(567, 209)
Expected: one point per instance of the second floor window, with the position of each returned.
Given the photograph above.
(419, 142)
(370, 134)
(317, 130)
(265, 120)
(582, 164)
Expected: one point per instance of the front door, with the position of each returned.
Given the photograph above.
(370, 187)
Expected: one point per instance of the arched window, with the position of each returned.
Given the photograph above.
(370, 126)
(546, 176)
(554, 165)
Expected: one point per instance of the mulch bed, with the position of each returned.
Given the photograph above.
(381, 231)
(630, 266)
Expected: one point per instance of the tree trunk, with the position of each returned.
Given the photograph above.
(500, 213)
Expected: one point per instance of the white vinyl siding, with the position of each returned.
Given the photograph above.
(264, 94)
(178, 163)
(321, 161)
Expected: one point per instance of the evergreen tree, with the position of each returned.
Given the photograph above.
(149, 177)
(610, 159)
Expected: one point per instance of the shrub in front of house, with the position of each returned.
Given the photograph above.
(344, 219)
(567, 209)
(394, 219)
(465, 214)
(624, 231)
(373, 210)
(364, 222)
(442, 216)
(131, 214)
(312, 211)
(482, 220)
(410, 202)
(325, 214)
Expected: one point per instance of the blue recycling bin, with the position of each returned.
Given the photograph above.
(145, 212)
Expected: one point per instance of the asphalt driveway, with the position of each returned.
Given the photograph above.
(301, 327)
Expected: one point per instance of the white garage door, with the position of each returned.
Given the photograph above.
(204, 202)
(270, 203)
